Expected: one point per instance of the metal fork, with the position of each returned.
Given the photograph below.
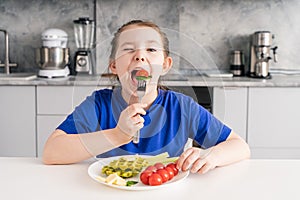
(141, 88)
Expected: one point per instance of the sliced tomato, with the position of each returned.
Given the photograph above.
(173, 166)
(155, 179)
(144, 177)
(171, 172)
(151, 168)
(142, 72)
(159, 166)
(164, 175)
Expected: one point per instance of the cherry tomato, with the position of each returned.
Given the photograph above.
(155, 179)
(164, 175)
(171, 172)
(142, 72)
(144, 177)
(173, 166)
(159, 166)
(151, 168)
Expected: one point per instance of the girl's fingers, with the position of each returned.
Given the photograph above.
(135, 109)
(183, 157)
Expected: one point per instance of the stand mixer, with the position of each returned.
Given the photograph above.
(260, 54)
(53, 56)
(84, 29)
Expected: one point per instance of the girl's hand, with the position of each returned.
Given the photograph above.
(197, 160)
(130, 120)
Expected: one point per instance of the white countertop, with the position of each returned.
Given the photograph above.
(28, 178)
(201, 81)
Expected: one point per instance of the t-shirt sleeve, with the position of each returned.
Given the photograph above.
(205, 128)
(84, 118)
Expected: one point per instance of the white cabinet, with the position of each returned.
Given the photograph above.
(54, 103)
(273, 122)
(17, 121)
(46, 124)
(230, 106)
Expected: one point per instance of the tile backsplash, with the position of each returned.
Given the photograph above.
(202, 32)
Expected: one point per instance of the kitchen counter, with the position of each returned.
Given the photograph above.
(28, 178)
(170, 80)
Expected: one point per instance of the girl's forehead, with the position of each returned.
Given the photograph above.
(139, 34)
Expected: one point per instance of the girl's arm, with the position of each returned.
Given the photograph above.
(63, 148)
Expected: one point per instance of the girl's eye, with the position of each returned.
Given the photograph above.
(151, 50)
(128, 49)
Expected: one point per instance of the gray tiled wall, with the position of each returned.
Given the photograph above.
(202, 32)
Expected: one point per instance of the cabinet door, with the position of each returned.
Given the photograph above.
(61, 99)
(45, 127)
(17, 121)
(273, 122)
(230, 106)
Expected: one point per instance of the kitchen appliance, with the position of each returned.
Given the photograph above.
(53, 56)
(260, 54)
(84, 29)
(237, 64)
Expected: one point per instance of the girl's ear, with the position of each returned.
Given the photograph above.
(167, 65)
(112, 66)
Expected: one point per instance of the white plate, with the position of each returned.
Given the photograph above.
(94, 171)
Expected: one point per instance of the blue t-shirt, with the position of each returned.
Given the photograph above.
(170, 121)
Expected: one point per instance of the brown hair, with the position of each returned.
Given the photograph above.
(114, 42)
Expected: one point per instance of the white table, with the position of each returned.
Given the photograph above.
(28, 178)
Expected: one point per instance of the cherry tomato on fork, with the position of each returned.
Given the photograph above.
(142, 72)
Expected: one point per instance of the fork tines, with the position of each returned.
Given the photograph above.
(141, 85)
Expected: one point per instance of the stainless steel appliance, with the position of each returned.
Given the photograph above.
(261, 54)
(237, 63)
(53, 56)
(84, 29)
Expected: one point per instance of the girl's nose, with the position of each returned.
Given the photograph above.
(139, 56)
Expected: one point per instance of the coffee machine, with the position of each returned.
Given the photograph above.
(261, 54)
(84, 29)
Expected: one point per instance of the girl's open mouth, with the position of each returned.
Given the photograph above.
(140, 74)
(133, 76)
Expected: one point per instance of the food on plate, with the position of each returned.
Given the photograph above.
(118, 170)
(125, 167)
(113, 179)
(116, 180)
(158, 174)
(155, 179)
(173, 166)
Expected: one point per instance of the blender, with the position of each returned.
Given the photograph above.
(84, 29)
(53, 56)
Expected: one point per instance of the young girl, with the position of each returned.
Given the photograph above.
(105, 123)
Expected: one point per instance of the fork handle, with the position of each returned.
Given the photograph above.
(136, 137)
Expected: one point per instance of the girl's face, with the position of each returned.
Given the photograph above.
(139, 48)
